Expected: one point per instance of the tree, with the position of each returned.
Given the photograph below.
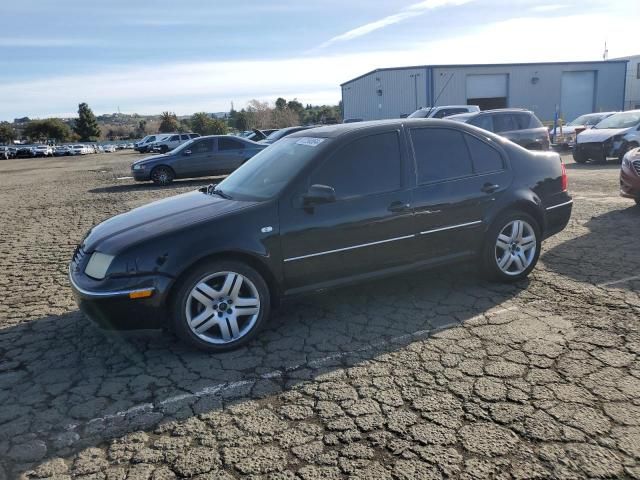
(49, 129)
(203, 124)
(86, 126)
(141, 129)
(7, 133)
(168, 122)
(241, 121)
(281, 103)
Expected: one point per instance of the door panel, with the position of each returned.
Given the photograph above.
(459, 179)
(370, 225)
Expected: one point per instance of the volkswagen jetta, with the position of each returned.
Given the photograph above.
(321, 208)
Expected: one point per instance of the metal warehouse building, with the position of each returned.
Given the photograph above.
(575, 87)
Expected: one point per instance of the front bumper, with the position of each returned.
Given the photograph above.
(141, 175)
(629, 182)
(107, 302)
(601, 150)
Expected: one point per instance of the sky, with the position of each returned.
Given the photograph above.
(146, 57)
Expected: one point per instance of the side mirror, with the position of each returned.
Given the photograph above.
(187, 152)
(318, 194)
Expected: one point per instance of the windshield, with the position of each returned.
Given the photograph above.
(420, 113)
(268, 172)
(620, 120)
(278, 134)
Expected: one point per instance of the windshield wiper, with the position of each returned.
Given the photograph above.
(212, 190)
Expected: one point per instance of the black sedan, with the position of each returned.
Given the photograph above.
(321, 208)
(200, 157)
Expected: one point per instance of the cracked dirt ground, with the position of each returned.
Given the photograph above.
(432, 375)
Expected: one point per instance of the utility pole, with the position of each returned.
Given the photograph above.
(605, 55)
(415, 87)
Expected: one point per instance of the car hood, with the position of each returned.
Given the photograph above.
(150, 159)
(600, 134)
(157, 218)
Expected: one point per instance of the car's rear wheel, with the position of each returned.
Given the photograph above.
(579, 157)
(162, 175)
(512, 247)
(220, 306)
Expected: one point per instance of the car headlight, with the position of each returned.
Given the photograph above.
(98, 265)
(138, 167)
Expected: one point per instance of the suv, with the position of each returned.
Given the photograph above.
(317, 209)
(518, 125)
(143, 145)
(172, 141)
(443, 111)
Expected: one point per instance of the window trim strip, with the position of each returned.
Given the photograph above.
(560, 205)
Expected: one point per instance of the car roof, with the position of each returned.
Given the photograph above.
(340, 129)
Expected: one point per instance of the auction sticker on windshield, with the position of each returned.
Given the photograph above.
(310, 141)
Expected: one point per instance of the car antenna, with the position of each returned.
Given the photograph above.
(438, 97)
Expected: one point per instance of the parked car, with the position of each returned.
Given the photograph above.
(321, 208)
(143, 145)
(566, 136)
(612, 137)
(256, 135)
(518, 125)
(42, 151)
(352, 120)
(62, 150)
(283, 132)
(108, 148)
(443, 111)
(79, 149)
(12, 151)
(25, 151)
(630, 175)
(4, 153)
(169, 143)
(200, 157)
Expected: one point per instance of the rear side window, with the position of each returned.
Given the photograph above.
(229, 144)
(184, 137)
(441, 154)
(485, 158)
(445, 112)
(366, 166)
(174, 138)
(505, 122)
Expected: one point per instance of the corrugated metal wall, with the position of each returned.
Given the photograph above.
(400, 88)
(385, 94)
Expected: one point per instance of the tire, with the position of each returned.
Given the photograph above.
(630, 146)
(516, 256)
(580, 157)
(162, 176)
(206, 304)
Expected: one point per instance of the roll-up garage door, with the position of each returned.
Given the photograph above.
(577, 94)
(487, 91)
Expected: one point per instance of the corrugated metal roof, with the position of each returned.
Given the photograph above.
(482, 65)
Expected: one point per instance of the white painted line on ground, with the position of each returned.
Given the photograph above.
(123, 178)
(622, 280)
(220, 388)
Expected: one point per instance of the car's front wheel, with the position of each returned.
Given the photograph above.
(162, 175)
(512, 247)
(220, 306)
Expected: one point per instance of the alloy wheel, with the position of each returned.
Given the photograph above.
(515, 247)
(222, 308)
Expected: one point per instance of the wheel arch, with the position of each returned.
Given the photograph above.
(247, 258)
(165, 166)
(528, 206)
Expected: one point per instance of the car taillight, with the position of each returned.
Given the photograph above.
(565, 180)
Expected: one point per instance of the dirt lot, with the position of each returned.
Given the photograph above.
(434, 375)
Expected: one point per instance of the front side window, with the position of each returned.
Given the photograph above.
(174, 138)
(366, 166)
(484, 122)
(441, 154)
(229, 144)
(202, 146)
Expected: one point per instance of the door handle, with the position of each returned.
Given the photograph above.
(489, 187)
(399, 207)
